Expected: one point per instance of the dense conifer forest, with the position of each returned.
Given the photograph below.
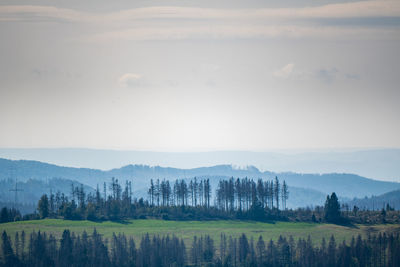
(42, 249)
(183, 200)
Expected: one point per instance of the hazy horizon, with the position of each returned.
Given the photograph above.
(379, 164)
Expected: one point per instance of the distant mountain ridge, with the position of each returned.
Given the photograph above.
(345, 185)
(379, 164)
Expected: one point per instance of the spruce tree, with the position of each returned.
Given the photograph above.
(7, 251)
(332, 209)
(43, 206)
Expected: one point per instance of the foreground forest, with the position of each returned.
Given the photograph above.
(42, 249)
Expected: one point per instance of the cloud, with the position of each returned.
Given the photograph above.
(44, 73)
(284, 72)
(351, 76)
(165, 22)
(43, 13)
(327, 75)
(130, 80)
(330, 75)
(219, 32)
(323, 74)
(373, 8)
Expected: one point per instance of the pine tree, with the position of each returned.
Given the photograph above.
(151, 192)
(7, 251)
(332, 209)
(4, 215)
(65, 252)
(260, 251)
(243, 248)
(277, 191)
(43, 206)
(285, 194)
(332, 252)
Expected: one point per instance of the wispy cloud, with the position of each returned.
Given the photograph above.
(285, 71)
(43, 13)
(165, 22)
(249, 31)
(323, 74)
(130, 80)
(327, 75)
(373, 8)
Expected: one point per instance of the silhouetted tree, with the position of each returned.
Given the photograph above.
(43, 206)
(332, 209)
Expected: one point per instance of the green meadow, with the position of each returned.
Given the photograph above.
(188, 229)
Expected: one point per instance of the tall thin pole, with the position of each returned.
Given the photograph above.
(16, 190)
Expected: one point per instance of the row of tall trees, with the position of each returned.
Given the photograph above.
(195, 193)
(183, 199)
(113, 202)
(41, 249)
(191, 200)
(242, 194)
(90, 250)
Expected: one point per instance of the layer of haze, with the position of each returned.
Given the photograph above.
(200, 75)
(382, 164)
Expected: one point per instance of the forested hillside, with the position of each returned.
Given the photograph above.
(345, 185)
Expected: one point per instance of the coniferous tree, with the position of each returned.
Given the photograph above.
(65, 257)
(4, 215)
(332, 252)
(43, 206)
(7, 252)
(285, 194)
(151, 192)
(243, 248)
(332, 209)
(260, 251)
(277, 191)
(158, 192)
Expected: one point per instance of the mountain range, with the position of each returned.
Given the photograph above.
(305, 189)
(379, 164)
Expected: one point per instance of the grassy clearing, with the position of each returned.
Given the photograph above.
(187, 229)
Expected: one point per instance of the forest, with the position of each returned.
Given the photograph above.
(234, 199)
(183, 200)
(192, 199)
(42, 249)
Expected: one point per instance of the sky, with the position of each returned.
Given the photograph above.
(206, 75)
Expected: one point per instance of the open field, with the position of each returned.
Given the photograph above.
(187, 229)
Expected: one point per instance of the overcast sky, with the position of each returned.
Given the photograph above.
(200, 75)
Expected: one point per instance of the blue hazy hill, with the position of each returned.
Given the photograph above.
(379, 164)
(345, 185)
